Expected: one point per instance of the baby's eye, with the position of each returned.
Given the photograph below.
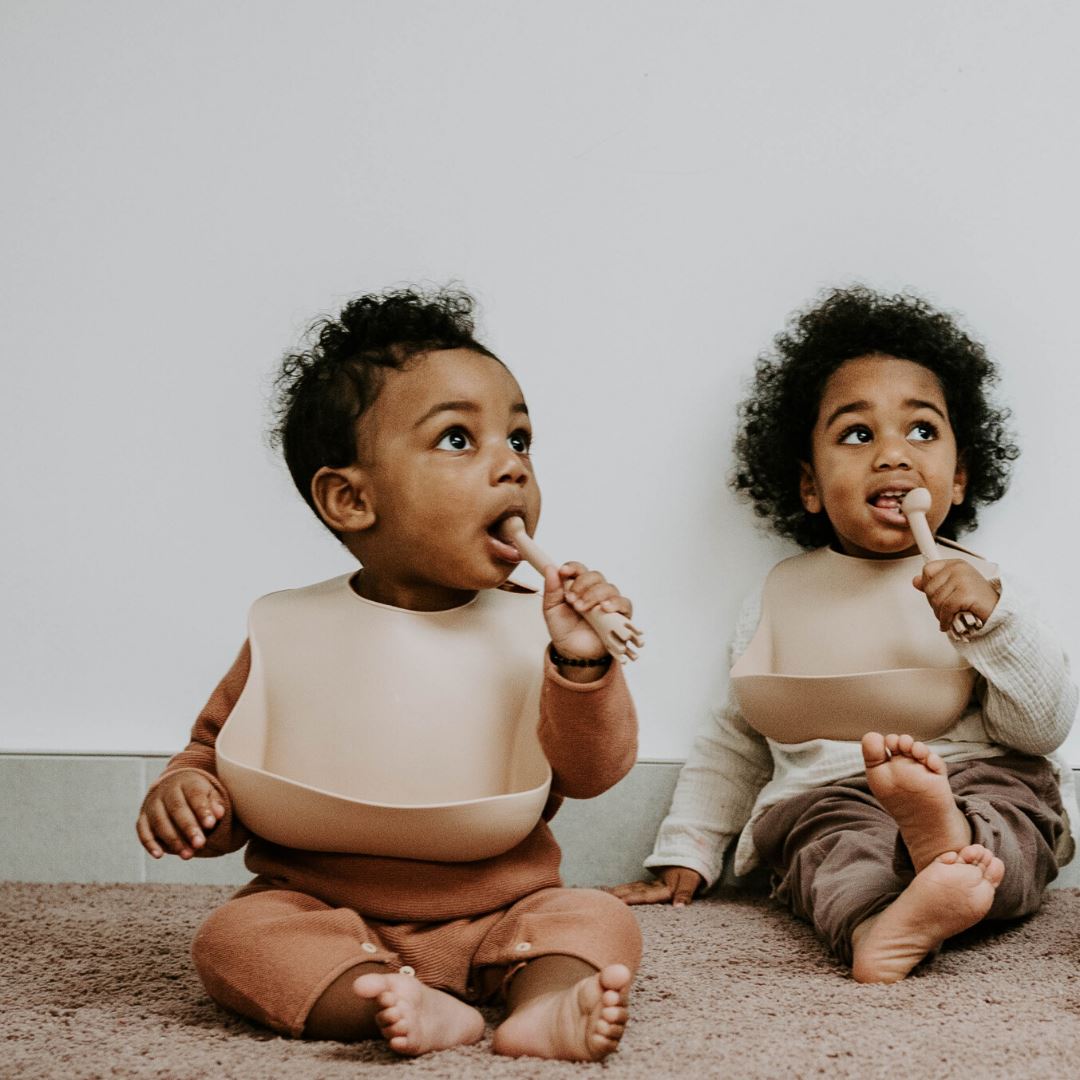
(520, 441)
(455, 439)
(856, 435)
(923, 431)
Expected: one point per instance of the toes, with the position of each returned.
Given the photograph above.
(394, 1030)
(390, 1016)
(615, 977)
(905, 744)
(873, 749)
(892, 743)
(371, 986)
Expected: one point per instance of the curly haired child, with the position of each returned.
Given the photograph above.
(411, 442)
(896, 777)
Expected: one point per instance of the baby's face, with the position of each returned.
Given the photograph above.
(882, 429)
(445, 448)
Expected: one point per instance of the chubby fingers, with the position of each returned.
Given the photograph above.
(146, 835)
(683, 884)
(158, 831)
(175, 815)
(954, 587)
(585, 589)
(654, 891)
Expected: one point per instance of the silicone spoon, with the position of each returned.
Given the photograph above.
(914, 506)
(618, 634)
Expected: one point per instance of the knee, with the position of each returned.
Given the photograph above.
(616, 924)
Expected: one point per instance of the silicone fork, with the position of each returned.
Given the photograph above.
(914, 506)
(620, 637)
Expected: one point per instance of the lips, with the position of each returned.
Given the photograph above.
(499, 547)
(890, 498)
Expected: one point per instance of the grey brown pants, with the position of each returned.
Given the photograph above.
(837, 857)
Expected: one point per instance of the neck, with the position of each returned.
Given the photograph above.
(412, 596)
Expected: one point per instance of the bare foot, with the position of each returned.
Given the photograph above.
(954, 892)
(415, 1018)
(912, 783)
(582, 1023)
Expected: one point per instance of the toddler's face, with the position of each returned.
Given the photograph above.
(882, 429)
(445, 449)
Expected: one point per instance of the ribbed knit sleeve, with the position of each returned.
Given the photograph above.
(200, 754)
(588, 731)
(1030, 700)
(719, 784)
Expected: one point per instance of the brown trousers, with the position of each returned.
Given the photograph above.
(269, 953)
(837, 857)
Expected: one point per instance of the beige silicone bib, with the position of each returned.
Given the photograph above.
(848, 645)
(376, 730)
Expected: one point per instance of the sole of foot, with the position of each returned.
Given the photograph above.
(952, 894)
(416, 1019)
(585, 1022)
(912, 783)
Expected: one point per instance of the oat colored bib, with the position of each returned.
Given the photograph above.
(375, 730)
(846, 646)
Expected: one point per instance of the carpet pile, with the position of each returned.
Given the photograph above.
(97, 983)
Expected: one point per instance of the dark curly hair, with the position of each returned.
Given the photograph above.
(322, 392)
(777, 418)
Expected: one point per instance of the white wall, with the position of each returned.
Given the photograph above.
(638, 193)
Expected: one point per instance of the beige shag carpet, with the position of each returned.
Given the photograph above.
(96, 982)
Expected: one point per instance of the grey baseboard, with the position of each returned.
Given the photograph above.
(70, 817)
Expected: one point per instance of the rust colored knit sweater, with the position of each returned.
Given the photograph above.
(588, 732)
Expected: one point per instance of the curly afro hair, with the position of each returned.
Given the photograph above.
(322, 392)
(777, 418)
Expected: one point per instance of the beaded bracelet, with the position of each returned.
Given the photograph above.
(558, 658)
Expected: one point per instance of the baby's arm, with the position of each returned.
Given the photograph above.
(588, 725)
(1030, 700)
(187, 810)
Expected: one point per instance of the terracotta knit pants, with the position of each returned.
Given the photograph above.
(268, 953)
(838, 859)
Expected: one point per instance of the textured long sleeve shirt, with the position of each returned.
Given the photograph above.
(1023, 699)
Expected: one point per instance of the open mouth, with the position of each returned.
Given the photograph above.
(890, 499)
(500, 547)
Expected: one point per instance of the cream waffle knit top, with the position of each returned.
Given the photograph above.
(1021, 697)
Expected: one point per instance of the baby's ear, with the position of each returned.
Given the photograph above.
(959, 488)
(808, 488)
(343, 498)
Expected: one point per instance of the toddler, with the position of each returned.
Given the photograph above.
(894, 775)
(410, 441)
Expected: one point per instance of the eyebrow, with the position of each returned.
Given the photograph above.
(465, 407)
(862, 406)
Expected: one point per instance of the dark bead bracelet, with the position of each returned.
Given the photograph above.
(566, 661)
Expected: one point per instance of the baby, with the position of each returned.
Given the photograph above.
(888, 844)
(410, 441)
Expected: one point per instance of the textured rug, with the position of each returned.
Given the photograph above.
(96, 982)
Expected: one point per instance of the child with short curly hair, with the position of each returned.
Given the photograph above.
(391, 744)
(895, 775)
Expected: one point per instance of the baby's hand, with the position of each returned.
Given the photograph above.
(675, 883)
(569, 592)
(175, 809)
(953, 586)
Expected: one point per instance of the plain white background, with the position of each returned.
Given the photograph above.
(638, 194)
